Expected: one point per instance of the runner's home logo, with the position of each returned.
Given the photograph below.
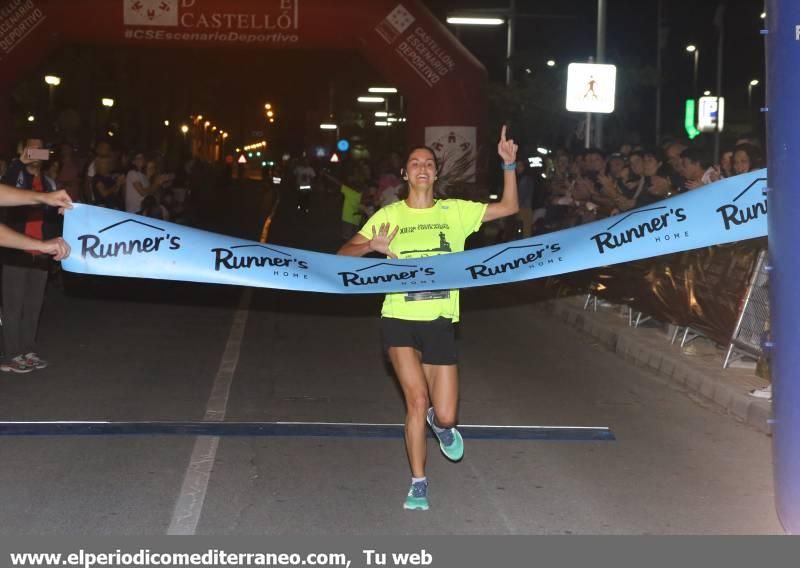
(93, 245)
(734, 215)
(408, 275)
(645, 222)
(150, 12)
(532, 256)
(241, 257)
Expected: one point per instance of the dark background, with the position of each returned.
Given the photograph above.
(231, 86)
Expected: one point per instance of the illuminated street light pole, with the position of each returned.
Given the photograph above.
(107, 104)
(469, 21)
(52, 81)
(750, 86)
(696, 53)
(600, 57)
(719, 24)
(512, 12)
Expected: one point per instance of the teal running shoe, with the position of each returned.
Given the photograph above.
(417, 496)
(450, 441)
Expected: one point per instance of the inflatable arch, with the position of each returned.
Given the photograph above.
(443, 84)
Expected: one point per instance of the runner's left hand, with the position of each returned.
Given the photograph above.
(506, 148)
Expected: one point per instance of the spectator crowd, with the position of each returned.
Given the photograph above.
(579, 187)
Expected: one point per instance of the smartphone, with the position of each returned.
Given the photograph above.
(42, 154)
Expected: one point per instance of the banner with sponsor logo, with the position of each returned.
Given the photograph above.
(113, 243)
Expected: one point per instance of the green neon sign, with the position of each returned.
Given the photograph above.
(688, 120)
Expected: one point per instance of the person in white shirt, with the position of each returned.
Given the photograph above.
(141, 181)
(137, 186)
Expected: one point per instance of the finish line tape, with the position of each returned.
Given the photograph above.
(113, 243)
(292, 429)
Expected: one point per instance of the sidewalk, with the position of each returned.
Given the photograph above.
(700, 375)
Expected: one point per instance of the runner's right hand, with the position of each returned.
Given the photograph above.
(382, 239)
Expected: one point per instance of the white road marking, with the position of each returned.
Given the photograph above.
(189, 505)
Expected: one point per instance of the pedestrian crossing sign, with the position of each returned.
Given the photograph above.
(591, 87)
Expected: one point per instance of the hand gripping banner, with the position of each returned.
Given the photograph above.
(114, 243)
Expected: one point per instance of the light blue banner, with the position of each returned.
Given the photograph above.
(114, 243)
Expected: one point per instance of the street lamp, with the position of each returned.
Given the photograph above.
(750, 85)
(31, 118)
(551, 63)
(696, 53)
(390, 90)
(184, 129)
(328, 126)
(52, 81)
(474, 21)
(106, 102)
(371, 99)
(469, 21)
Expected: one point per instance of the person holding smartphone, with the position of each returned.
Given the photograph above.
(418, 327)
(33, 234)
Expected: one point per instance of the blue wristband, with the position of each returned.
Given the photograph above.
(509, 167)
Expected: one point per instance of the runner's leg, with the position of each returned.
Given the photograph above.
(443, 388)
(408, 368)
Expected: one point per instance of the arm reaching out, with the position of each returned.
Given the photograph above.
(509, 204)
(11, 196)
(57, 248)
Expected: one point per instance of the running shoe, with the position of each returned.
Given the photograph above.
(417, 496)
(33, 360)
(450, 441)
(764, 393)
(16, 365)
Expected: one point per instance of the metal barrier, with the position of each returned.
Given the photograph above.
(754, 316)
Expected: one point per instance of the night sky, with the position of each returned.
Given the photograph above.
(632, 40)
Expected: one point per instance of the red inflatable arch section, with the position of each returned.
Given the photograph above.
(444, 85)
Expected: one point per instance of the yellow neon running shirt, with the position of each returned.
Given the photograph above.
(440, 229)
(352, 202)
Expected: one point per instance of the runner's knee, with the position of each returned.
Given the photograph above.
(418, 403)
(445, 417)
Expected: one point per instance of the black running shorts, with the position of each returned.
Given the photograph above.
(436, 339)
